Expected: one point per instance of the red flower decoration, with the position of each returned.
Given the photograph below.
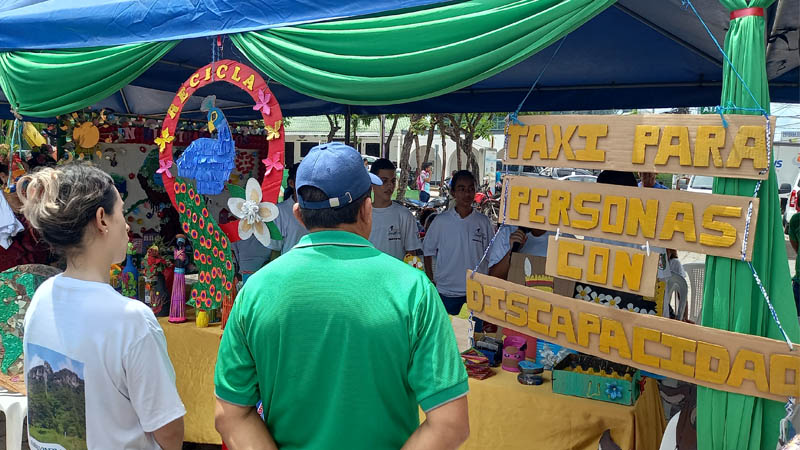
(131, 175)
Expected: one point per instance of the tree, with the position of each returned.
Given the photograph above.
(418, 123)
(395, 118)
(463, 129)
(333, 121)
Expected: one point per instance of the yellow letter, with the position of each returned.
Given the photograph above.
(592, 133)
(619, 223)
(235, 76)
(249, 81)
(757, 152)
(587, 324)
(627, 267)
(613, 336)
(566, 327)
(475, 298)
(592, 274)
(496, 295)
(194, 80)
(514, 133)
(536, 205)
(710, 138)
(208, 74)
(221, 74)
(678, 346)
(536, 142)
(519, 316)
(685, 225)
(172, 110)
(778, 366)
(640, 335)
(534, 306)
(580, 198)
(728, 231)
(182, 94)
(562, 141)
(666, 149)
(565, 248)
(559, 204)
(519, 195)
(702, 366)
(639, 217)
(740, 371)
(645, 135)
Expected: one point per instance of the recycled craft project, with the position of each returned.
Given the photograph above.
(153, 267)
(207, 160)
(130, 276)
(253, 214)
(414, 261)
(17, 286)
(177, 310)
(212, 251)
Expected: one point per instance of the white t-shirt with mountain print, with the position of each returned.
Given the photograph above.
(96, 369)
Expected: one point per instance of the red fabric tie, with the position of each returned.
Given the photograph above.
(747, 12)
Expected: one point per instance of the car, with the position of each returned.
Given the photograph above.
(560, 172)
(700, 183)
(793, 205)
(580, 178)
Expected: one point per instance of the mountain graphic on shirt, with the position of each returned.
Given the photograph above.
(56, 400)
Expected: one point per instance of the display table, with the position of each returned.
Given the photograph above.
(193, 352)
(503, 413)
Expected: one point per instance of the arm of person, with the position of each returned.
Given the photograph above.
(429, 268)
(445, 427)
(156, 401)
(411, 242)
(429, 246)
(170, 436)
(241, 427)
(500, 253)
(794, 227)
(274, 255)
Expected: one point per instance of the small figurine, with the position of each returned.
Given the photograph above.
(130, 276)
(177, 310)
(155, 294)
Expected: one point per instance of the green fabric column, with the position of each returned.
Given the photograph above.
(410, 55)
(52, 82)
(732, 299)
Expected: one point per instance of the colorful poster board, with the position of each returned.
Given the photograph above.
(662, 143)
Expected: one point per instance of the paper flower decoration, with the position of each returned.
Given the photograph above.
(164, 139)
(613, 392)
(274, 131)
(414, 261)
(253, 213)
(272, 162)
(163, 167)
(262, 103)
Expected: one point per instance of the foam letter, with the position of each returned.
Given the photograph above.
(605, 223)
(702, 365)
(740, 371)
(563, 141)
(566, 248)
(710, 138)
(559, 204)
(516, 315)
(514, 133)
(627, 267)
(536, 142)
(534, 306)
(645, 135)
(778, 366)
(592, 274)
(536, 205)
(580, 208)
(641, 217)
(221, 74)
(728, 231)
(640, 335)
(587, 324)
(678, 346)
(249, 81)
(613, 336)
(757, 152)
(666, 149)
(685, 225)
(592, 133)
(519, 195)
(566, 327)
(475, 296)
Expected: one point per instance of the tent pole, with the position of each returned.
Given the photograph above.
(124, 100)
(347, 116)
(384, 149)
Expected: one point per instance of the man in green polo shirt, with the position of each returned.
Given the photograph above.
(342, 342)
(794, 237)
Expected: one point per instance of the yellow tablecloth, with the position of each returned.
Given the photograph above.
(193, 352)
(503, 413)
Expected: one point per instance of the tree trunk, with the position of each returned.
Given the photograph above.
(405, 154)
(429, 143)
(391, 133)
(333, 121)
(440, 121)
(472, 162)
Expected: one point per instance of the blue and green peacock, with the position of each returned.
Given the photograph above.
(210, 161)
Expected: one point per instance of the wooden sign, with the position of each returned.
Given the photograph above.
(695, 222)
(613, 266)
(663, 143)
(529, 270)
(723, 360)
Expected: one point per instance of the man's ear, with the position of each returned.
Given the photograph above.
(297, 215)
(365, 212)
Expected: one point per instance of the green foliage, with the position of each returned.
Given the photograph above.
(57, 412)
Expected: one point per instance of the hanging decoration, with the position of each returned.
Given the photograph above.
(253, 213)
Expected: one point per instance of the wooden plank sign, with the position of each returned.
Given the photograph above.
(695, 222)
(666, 143)
(529, 270)
(613, 266)
(723, 360)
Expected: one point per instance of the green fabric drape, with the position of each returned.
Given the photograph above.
(52, 82)
(731, 298)
(411, 55)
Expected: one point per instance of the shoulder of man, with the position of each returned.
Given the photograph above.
(794, 224)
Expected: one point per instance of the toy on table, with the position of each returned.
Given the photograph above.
(513, 352)
(477, 364)
(492, 348)
(155, 292)
(129, 279)
(177, 309)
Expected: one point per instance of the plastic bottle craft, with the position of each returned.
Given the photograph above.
(177, 310)
(130, 276)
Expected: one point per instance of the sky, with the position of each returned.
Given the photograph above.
(38, 354)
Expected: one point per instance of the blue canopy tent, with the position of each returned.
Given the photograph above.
(631, 55)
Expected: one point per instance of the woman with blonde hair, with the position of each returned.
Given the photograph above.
(96, 365)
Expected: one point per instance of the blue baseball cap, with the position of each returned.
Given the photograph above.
(338, 171)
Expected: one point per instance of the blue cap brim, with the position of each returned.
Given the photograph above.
(375, 180)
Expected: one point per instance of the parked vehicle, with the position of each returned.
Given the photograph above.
(700, 183)
(793, 205)
(580, 178)
(488, 202)
(560, 172)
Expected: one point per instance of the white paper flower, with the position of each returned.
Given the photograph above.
(595, 298)
(253, 213)
(631, 308)
(583, 292)
(613, 301)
